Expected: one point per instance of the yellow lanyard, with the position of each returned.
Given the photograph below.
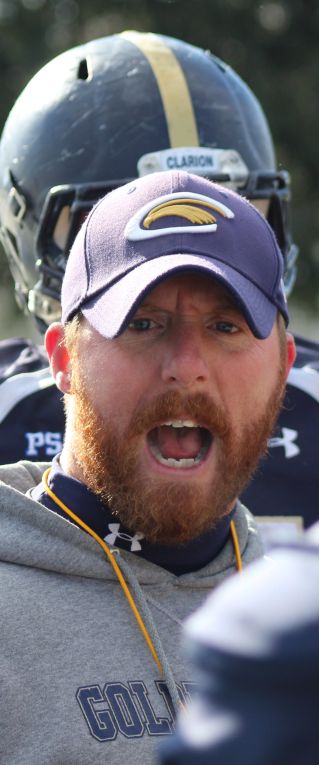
(118, 572)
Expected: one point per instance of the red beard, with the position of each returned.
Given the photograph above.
(167, 511)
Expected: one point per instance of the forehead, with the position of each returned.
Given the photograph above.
(192, 287)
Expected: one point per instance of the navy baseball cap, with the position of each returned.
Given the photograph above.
(162, 224)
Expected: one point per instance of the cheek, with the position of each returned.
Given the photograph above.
(247, 384)
(118, 387)
(265, 383)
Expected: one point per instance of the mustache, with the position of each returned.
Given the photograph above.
(173, 406)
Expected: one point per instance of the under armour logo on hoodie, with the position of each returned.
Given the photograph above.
(287, 441)
(116, 534)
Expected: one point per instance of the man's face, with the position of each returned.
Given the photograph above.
(167, 422)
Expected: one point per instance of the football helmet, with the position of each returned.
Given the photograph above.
(105, 112)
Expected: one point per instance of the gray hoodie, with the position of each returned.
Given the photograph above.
(78, 682)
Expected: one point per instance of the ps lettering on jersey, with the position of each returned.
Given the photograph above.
(42, 443)
(126, 709)
(32, 419)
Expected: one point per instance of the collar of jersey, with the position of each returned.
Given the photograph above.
(89, 508)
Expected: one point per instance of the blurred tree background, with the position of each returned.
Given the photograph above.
(273, 45)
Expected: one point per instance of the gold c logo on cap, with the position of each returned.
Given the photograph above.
(195, 208)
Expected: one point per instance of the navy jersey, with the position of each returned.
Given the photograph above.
(287, 480)
(286, 483)
(31, 407)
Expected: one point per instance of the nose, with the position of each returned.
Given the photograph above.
(185, 361)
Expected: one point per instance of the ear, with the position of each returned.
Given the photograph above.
(58, 356)
(291, 352)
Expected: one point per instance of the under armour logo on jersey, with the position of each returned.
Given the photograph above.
(116, 534)
(287, 442)
(196, 209)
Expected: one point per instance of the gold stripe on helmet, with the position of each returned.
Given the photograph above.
(173, 88)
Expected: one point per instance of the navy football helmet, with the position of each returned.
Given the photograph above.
(106, 112)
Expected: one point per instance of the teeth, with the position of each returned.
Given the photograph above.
(182, 463)
(181, 424)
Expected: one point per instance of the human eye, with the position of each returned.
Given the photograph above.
(226, 327)
(141, 324)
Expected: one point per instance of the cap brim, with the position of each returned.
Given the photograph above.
(111, 311)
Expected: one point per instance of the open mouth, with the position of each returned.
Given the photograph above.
(179, 443)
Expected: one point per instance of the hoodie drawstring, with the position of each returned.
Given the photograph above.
(162, 663)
